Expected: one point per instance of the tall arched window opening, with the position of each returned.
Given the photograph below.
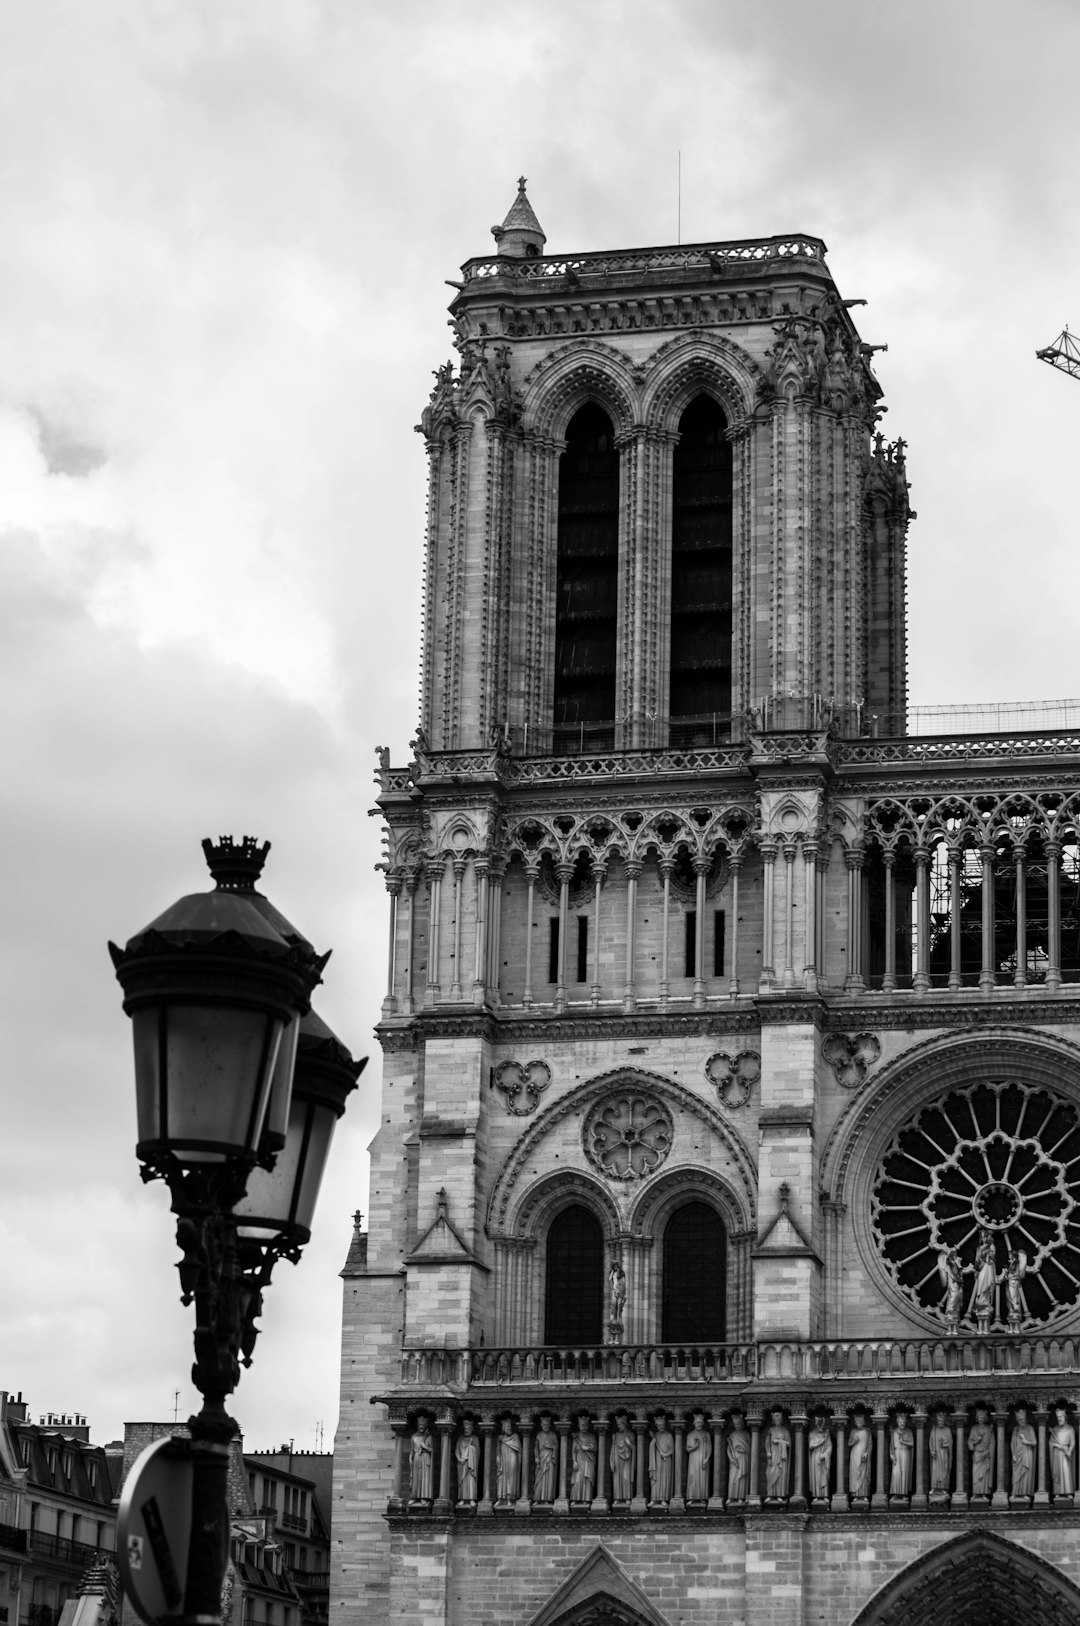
(574, 1279)
(700, 702)
(586, 616)
(694, 1280)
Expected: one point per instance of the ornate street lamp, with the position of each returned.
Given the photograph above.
(218, 990)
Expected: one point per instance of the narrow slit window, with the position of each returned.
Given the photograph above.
(690, 921)
(553, 950)
(718, 942)
(582, 948)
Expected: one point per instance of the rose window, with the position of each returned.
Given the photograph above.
(628, 1136)
(979, 1195)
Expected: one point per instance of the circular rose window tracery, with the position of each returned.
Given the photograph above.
(627, 1136)
(976, 1207)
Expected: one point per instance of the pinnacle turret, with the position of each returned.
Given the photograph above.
(520, 236)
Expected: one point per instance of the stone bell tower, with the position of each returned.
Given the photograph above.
(678, 1271)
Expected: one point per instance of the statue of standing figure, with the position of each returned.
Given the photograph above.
(583, 1480)
(508, 1463)
(738, 1456)
(984, 1292)
(951, 1272)
(1013, 1275)
(617, 1289)
(941, 1455)
(467, 1457)
(777, 1458)
(661, 1462)
(622, 1460)
(1063, 1454)
(859, 1450)
(820, 1445)
(981, 1445)
(547, 1461)
(901, 1455)
(698, 1457)
(421, 1461)
(1023, 1445)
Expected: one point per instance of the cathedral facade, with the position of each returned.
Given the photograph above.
(723, 1261)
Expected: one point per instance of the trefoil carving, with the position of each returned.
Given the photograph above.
(851, 1057)
(521, 1085)
(733, 1076)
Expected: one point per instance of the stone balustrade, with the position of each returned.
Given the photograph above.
(768, 1361)
(954, 1451)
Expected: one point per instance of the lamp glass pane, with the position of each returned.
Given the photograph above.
(286, 1194)
(219, 1061)
(277, 1114)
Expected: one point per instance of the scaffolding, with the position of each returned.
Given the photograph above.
(1064, 354)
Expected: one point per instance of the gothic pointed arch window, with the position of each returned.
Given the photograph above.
(574, 1279)
(586, 613)
(694, 1276)
(701, 532)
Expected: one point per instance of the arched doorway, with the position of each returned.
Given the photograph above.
(977, 1580)
(574, 1279)
(694, 1276)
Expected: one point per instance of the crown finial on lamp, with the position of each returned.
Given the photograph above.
(235, 865)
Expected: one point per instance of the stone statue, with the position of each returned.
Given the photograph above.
(584, 1447)
(617, 1286)
(467, 1457)
(1013, 1274)
(777, 1458)
(547, 1461)
(941, 1450)
(984, 1292)
(661, 1462)
(698, 1457)
(421, 1461)
(981, 1445)
(622, 1460)
(738, 1455)
(951, 1271)
(1062, 1454)
(1023, 1445)
(508, 1464)
(901, 1455)
(859, 1450)
(820, 1445)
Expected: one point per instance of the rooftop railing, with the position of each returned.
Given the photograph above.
(643, 261)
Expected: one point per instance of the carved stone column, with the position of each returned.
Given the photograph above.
(1053, 909)
(400, 1425)
(1020, 861)
(480, 962)
(639, 1423)
(753, 1417)
(955, 943)
(718, 1481)
(701, 870)
(563, 1425)
(412, 880)
(840, 1496)
(598, 873)
(666, 867)
(921, 980)
(1042, 1491)
(445, 1425)
(880, 1497)
(853, 983)
(485, 1507)
(888, 981)
(768, 970)
(633, 870)
(525, 1429)
(532, 871)
(564, 873)
(1001, 1494)
(678, 1498)
(434, 991)
(458, 864)
(960, 1494)
(809, 862)
(393, 887)
(798, 1426)
(601, 1501)
(492, 961)
(987, 978)
(735, 863)
(788, 977)
(919, 1497)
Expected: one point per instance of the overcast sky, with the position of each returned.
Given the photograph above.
(226, 228)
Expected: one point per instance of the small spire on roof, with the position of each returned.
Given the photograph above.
(520, 236)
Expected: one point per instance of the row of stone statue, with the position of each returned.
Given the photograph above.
(583, 1467)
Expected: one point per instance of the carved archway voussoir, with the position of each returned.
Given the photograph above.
(587, 372)
(975, 1577)
(694, 365)
(509, 1194)
(656, 1202)
(547, 1196)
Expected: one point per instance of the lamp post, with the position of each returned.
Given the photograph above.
(238, 1088)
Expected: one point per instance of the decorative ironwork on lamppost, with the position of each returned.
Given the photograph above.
(238, 1089)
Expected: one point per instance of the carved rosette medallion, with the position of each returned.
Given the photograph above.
(733, 1076)
(627, 1136)
(976, 1207)
(522, 1085)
